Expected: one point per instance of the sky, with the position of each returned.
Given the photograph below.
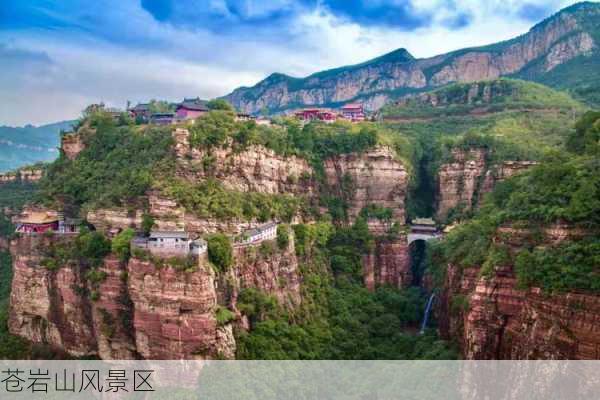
(57, 56)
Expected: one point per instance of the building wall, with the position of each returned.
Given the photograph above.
(189, 114)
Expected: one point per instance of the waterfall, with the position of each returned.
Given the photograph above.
(427, 312)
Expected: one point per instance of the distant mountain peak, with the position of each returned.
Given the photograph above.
(398, 55)
(562, 51)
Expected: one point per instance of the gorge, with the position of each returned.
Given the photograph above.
(342, 278)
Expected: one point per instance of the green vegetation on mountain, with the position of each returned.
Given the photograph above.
(480, 98)
(563, 188)
(118, 165)
(338, 317)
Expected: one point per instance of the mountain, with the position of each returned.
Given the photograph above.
(562, 51)
(29, 144)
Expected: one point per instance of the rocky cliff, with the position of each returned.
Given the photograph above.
(254, 169)
(72, 144)
(388, 264)
(569, 37)
(462, 182)
(492, 319)
(143, 308)
(373, 177)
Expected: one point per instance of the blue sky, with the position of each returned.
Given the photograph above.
(59, 56)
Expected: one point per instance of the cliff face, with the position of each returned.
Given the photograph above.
(373, 177)
(556, 41)
(462, 182)
(388, 264)
(492, 319)
(255, 169)
(71, 145)
(139, 309)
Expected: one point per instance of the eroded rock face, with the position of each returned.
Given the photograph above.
(276, 274)
(46, 306)
(72, 144)
(458, 181)
(255, 169)
(174, 312)
(372, 177)
(388, 264)
(462, 182)
(492, 319)
(139, 309)
(276, 91)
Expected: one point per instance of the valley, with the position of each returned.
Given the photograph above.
(401, 208)
(342, 278)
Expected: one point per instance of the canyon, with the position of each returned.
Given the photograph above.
(145, 309)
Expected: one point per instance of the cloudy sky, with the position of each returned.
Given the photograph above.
(57, 56)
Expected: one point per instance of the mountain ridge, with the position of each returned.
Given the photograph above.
(569, 37)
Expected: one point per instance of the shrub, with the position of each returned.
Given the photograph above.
(283, 236)
(147, 223)
(220, 251)
(121, 244)
(266, 248)
(224, 316)
(95, 276)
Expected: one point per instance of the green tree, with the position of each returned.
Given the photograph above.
(283, 236)
(121, 244)
(147, 223)
(220, 251)
(219, 104)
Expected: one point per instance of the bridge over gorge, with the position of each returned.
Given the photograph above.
(423, 229)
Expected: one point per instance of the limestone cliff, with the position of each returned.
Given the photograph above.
(373, 177)
(567, 37)
(141, 308)
(492, 319)
(462, 182)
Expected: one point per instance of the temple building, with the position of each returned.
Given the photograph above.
(38, 222)
(257, 235)
(312, 114)
(353, 112)
(191, 109)
(170, 243)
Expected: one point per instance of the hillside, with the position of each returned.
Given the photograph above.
(562, 51)
(21, 146)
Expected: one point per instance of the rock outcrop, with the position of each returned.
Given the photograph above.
(139, 308)
(254, 169)
(462, 182)
(72, 144)
(492, 319)
(373, 177)
(388, 264)
(558, 40)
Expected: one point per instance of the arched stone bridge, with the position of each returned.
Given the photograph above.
(411, 237)
(423, 229)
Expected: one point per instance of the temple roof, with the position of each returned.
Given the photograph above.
(38, 217)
